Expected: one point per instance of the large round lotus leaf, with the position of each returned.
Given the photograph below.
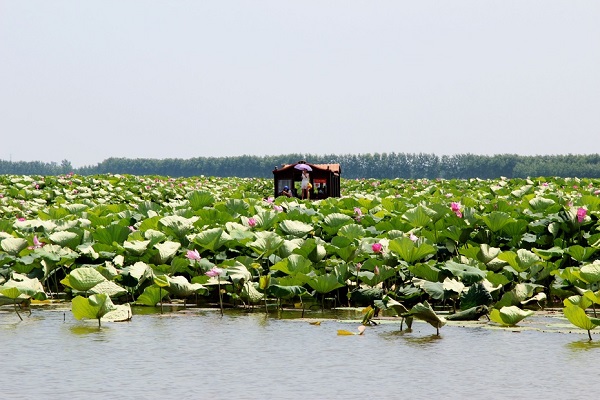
(295, 228)
(83, 279)
(65, 239)
(13, 245)
(509, 316)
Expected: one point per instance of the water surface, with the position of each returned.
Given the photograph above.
(197, 354)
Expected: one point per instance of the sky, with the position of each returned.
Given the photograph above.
(84, 81)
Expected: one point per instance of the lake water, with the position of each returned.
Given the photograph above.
(197, 354)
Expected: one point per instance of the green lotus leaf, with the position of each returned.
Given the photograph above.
(409, 251)
(332, 223)
(496, 220)
(593, 296)
(293, 264)
(387, 303)
(28, 286)
(469, 314)
(370, 278)
(237, 207)
(312, 250)
(580, 253)
(66, 239)
(591, 272)
(133, 275)
(295, 228)
(540, 203)
(152, 296)
(120, 312)
(212, 239)
(477, 295)
(324, 283)
(423, 311)
(466, 273)
(352, 231)
(136, 247)
(94, 307)
(161, 281)
(453, 285)
(177, 226)
(166, 251)
(266, 219)
(237, 271)
(577, 316)
(427, 271)
(520, 293)
(13, 245)
(582, 302)
(75, 208)
(109, 288)
(250, 293)
(343, 247)
(547, 254)
(110, 234)
(521, 261)
(200, 199)
(488, 253)
(181, 287)
(266, 243)
(10, 292)
(522, 191)
(83, 279)
(509, 316)
(286, 292)
(435, 290)
(417, 217)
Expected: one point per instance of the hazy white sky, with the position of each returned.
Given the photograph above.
(88, 80)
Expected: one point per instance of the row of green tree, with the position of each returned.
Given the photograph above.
(382, 166)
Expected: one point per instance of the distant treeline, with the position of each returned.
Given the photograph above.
(378, 165)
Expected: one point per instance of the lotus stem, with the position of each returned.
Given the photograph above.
(21, 318)
(161, 302)
(590, 334)
(220, 295)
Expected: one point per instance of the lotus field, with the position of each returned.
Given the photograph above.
(470, 248)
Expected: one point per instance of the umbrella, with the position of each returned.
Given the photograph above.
(304, 167)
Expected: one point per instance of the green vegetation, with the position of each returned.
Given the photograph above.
(381, 166)
(505, 247)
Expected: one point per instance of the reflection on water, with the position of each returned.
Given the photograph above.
(193, 354)
(584, 345)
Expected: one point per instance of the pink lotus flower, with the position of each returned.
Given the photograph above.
(377, 247)
(277, 208)
(358, 266)
(545, 184)
(214, 272)
(131, 228)
(376, 270)
(193, 255)
(358, 213)
(413, 237)
(581, 213)
(269, 200)
(21, 219)
(36, 243)
(455, 206)
(595, 192)
(251, 222)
